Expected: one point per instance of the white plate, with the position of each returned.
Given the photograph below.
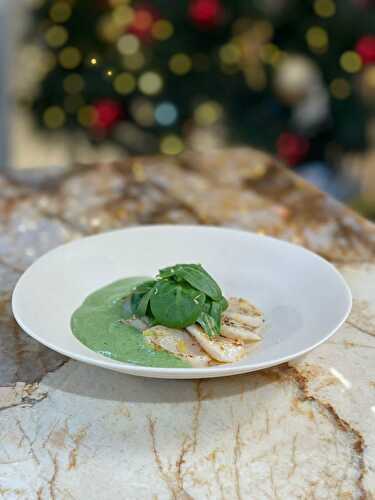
(303, 297)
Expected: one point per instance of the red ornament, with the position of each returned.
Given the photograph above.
(205, 13)
(292, 148)
(107, 113)
(366, 48)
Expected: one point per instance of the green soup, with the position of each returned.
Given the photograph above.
(98, 325)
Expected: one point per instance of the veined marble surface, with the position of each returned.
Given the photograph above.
(305, 430)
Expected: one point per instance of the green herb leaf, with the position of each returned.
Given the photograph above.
(194, 275)
(207, 322)
(175, 305)
(140, 298)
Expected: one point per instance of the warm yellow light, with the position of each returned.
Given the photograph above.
(162, 29)
(54, 117)
(73, 84)
(134, 61)
(123, 15)
(180, 64)
(86, 116)
(207, 113)
(150, 83)
(60, 12)
(340, 88)
(270, 53)
(324, 8)
(109, 72)
(56, 36)
(128, 44)
(350, 61)
(124, 83)
(369, 77)
(171, 145)
(93, 61)
(70, 57)
(317, 38)
(229, 53)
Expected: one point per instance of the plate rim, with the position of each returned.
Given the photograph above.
(178, 373)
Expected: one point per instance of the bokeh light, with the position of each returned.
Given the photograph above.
(128, 44)
(124, 83)
(86, 116)
(150, 83)
(56, 36)
(162, 29)
(171, 145)
(60, 12)
(70, 57)
(324, 8)
(166, 113)
(142, 111)
(340, 88)
(350, 61)
(54, 117)
(180, 64)
(317, 38)
(73, 84)
(208, 113)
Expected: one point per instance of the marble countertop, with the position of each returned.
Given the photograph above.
(303, 430)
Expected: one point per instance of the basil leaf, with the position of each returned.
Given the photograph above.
(194, 275)
(208, 324)
(215, 314)
(143, 304)
(141, 297)
(175, 305)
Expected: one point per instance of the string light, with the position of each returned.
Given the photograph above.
(56, 36)
(350, 61)
(171, 145)
(93, 61)
(340, 88)
(150, 83)
(128, 44)
(73, 84)
(324, 8)
(109, 73)
(54, 117)
(162, 29)
(180, 64)
(60, 12)
(70, 57)
(317, 38)
(124, 83)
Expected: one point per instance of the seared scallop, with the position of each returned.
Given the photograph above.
(179, 343)
(241, 321)
(219, 348)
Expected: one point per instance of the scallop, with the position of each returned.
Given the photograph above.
(241, 321)
(179, 343)
(221, 349)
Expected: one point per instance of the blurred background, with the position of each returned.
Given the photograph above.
(91, 80)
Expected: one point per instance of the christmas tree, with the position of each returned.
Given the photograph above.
(296, 78)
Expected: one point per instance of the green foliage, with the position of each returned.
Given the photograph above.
(180, 296)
